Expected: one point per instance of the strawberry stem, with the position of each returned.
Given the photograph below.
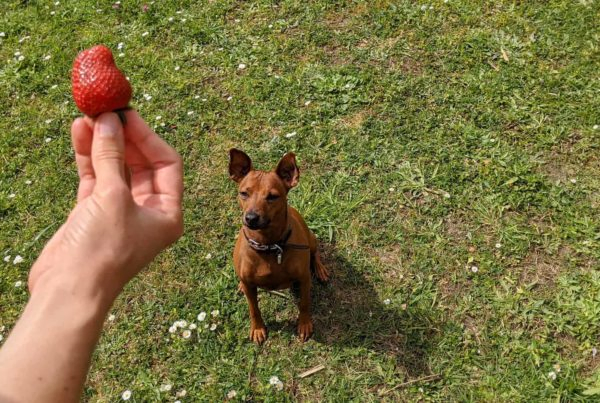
(121, 114)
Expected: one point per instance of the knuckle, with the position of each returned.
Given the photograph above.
(116, 192)
(108, 154)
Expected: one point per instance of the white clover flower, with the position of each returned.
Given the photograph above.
(47, 57)
(165, 387)
(213, 327)
(177, 68)
(48, 121)
(498, 245)
(474, 269)
(2, 34)
(147, 97)
(181, 323)
(111, 317)
(48, 139)
(193, 326)
(215, 313)
(126, 395)
(387, 301)
(186, 334)
(18, 284)
(552, 375)
(241, 66)
(171, 19)
(208, 256)
(573, 180)
(201, 316)
(7, 258)
(21, 58)
(231, 394)
(18, 259)
(120, 45)
(391, 189)
(276, 382)
(172, 329)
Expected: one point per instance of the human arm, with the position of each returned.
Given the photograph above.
(113, 232)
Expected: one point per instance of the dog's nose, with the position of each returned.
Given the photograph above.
(252, 219)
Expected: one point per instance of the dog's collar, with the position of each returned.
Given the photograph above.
(276, 247)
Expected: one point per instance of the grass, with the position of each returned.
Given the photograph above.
(431, 141)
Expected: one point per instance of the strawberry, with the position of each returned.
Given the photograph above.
(98, 85)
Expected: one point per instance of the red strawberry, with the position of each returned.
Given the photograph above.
(98, 85)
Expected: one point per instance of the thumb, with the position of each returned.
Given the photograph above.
(108, 150)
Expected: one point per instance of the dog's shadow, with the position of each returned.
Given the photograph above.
(349, 313)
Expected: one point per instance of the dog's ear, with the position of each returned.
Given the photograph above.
(288, 171)
(239, 164)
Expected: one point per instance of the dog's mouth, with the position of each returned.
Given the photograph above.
(262, 224)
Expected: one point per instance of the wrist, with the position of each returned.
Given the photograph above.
(74, 287)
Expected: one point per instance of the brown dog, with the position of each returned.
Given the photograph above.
(275, 248)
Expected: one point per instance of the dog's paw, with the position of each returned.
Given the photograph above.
(305, 330)
(258, 334)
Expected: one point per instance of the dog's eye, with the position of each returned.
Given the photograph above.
(272, 197)
(244, 195)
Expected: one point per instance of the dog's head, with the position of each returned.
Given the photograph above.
(262, 195)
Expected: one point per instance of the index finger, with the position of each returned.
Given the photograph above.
(160, 156)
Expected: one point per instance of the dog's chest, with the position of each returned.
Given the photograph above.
(269, 275)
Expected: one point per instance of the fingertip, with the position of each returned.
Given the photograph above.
(77, 125)
(89, 121)
(81, 136)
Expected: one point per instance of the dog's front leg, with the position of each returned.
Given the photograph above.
(258, 331)
(305, 325)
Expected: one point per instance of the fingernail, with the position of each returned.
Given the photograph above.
(105, 127)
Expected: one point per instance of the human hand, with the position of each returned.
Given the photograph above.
(115, 229)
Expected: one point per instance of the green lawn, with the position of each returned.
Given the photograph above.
(449, 158)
